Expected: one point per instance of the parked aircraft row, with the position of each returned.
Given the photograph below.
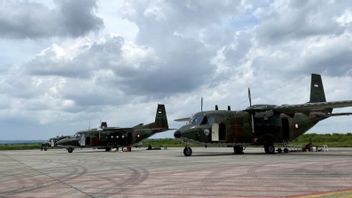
(261, 124)
(107, 138)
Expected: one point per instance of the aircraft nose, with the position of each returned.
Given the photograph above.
(177, 134)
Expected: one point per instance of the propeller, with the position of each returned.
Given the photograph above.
(249, 97)
(201, 104)
(250, 105)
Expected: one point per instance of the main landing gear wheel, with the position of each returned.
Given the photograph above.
(238, 149)
(187, 151)
(70, 150)
(107, 149)
(269, 149)
(279, 150)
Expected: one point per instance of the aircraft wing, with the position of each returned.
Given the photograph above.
(340, 114)
(313, 106)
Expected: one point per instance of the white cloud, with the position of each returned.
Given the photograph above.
(345, 19)
(171, 52)
(27, 19)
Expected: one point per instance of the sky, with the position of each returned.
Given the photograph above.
(67, 65)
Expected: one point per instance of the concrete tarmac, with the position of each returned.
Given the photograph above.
(211, 172)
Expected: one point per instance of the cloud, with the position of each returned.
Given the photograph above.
(299, 20)
(26, 19)
(132, 68)
(177, 52)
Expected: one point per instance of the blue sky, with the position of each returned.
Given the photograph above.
(65, 64)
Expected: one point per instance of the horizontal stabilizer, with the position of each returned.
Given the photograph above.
(182, 119)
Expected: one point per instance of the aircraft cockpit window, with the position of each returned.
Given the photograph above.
(77, 135)
(204, 121)
(197, 120)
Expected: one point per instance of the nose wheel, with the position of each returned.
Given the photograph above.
(187, 151)
(238, 149)
(269, 149)
(70, 150)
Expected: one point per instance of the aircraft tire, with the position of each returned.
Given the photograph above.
(279, 150)
(285, 150)
(269, 149)
(70, 150)
(238, 149)
(187, 151)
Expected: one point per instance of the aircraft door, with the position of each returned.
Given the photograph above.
(222, 131)
(82, 141)
(215, 132)
(285, 129)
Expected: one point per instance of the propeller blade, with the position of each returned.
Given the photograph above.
(250, 104)
(249, 97)
(201, 104)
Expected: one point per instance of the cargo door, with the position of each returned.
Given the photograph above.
(285, 129)
(215, 132)
(82, 141)
(222, 132)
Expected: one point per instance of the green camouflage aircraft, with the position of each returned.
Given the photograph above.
(260, 124)
(114, 137)
(52, 143)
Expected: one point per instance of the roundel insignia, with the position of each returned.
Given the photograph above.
(206, 132)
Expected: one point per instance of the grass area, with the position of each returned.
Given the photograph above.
(332, 140)
(169, 142)
(19, 146)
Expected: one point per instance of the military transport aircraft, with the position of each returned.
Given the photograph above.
(114, 137)
(52, 142)
(260, 124)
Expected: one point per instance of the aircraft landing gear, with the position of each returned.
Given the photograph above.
(187, 151)
(70, 150)
(238, 149)
(269, 149)
(279, 150)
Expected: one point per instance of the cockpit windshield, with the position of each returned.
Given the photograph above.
(196, 119)
(77, 134)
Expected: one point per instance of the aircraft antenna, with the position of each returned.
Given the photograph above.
(250, 105)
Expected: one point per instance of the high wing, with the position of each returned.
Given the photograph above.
(317, 106)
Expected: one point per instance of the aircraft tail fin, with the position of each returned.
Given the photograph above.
(161, 118)
(317, 93)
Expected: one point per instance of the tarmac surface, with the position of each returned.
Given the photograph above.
(211, 172)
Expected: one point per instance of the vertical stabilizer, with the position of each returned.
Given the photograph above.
(317, 93)
(160, 118)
